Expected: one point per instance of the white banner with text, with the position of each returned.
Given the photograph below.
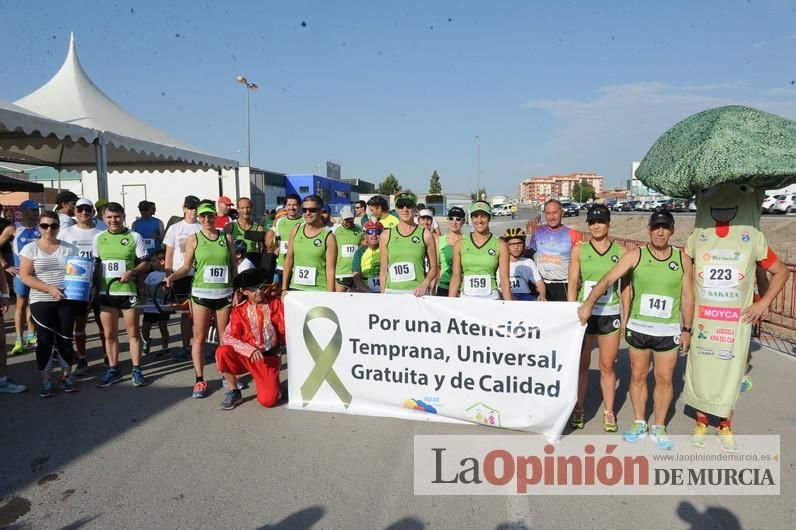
(503, 364)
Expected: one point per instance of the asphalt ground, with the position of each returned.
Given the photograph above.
(128, 457)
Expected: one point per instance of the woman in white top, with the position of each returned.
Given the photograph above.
(42, 267)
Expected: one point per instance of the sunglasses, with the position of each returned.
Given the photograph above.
(47, 226)
(86, 209)
(260, 287)
(454, 218)
(310, 210)
(404, 203)
(373, 231)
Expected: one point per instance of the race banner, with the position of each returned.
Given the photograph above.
(511, 365)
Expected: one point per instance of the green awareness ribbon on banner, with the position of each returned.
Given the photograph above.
(324, 359)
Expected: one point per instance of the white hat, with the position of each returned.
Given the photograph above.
(84, 202)
(425, 212)
(346, 212)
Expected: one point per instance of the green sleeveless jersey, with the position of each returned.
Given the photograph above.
(657, 285)
(213, 278)
(117, 252)
(348, 241)
(239, 233)
(479, 265)
(445, 262)
(593, 266)
(407, 258)
(282, 228)
(309, 261)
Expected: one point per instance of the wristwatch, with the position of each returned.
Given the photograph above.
(686, 329)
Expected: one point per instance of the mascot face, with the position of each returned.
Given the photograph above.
(724, 205)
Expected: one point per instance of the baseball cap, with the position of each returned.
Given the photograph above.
(456, 211)
(598, 212)
(373, 225)
(661, 218)
(206, 208)
(481, 206)
(346, 212)
(425, 212)
(224, 200)
(191, 201)
(84, 202)
(29, 204)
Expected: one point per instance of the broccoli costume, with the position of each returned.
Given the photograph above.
(727, 157)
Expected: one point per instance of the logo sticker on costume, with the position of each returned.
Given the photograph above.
(491, 252)
(746, 237)
(705, 351)
(723, 255)
(725, 355)
(125, 241)
(725, 295)
(317, 242)
(673, 266)
(722, 336)
(415, 239)
(725, 314)
(703, 236)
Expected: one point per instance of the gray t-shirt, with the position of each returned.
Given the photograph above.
(49, 268)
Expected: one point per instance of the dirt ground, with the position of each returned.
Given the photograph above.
(781, 233)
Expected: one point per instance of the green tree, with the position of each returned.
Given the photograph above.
(434, 187)
(582, 191)
(481, 196)
(389, 185)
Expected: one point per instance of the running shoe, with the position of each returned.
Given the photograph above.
(10, 387)
(199, 390)
(183, 354)
(698, 436)
(231, 400)
(161, 353)
(609, 421)
(31, 342)
(238, 383)
(81, 367)
(110, 377)
(18, 347)
(47, 390)
(68, 385)
(635, 432)
(726, 439)
(746, 383)
(577, 420)
(661, 439)
(138, 377)
(145, 347)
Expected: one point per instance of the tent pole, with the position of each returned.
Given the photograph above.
(237, 184)
(102, 169)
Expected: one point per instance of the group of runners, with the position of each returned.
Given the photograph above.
(644, 294)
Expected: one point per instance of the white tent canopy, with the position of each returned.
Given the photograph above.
(126, 143)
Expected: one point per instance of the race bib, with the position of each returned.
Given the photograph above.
(402, 271)
(283, 247)
(348, 251)
(374, 284)
(477, 285)
(149, 244)
(604, 298)
(720, 276)
(514, 283)
(304, 275)
(86, 253)
(653, 305)
(114, 268)
(215, 274)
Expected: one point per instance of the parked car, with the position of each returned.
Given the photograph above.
(630, 206)
(586, 205)
(668, 205)
(642, 206)
(769, 201)
(784, 205)
(570, 209)
(651, 206)
(675, 205)
(501, 210)
(692, 205)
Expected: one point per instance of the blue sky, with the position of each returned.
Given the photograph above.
(404, 87)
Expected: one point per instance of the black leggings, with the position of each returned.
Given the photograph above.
(55, 323)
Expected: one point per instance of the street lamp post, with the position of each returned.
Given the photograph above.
(249, 87)
(477, 168)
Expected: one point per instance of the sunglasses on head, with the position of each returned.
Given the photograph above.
(404, 203)
(88, 209)
(373, 231)
(259, 287)
(310, 210)
(455, 218)
(47, 226)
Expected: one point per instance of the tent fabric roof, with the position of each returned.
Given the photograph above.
(30, 138)
(70, 96)
(12, 184)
